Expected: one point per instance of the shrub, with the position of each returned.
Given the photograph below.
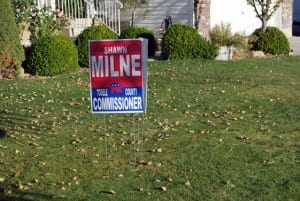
(272, 41)
(52, 55)
(207, 50)
(11, 51)
(136, 32)
(91, 33)
(184, 42)
(221, 35)
(40, 21)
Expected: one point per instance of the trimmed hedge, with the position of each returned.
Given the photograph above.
(91, 33)
(53, 55)
(184, 42)
(11, 51)
(272, 41)
(137, 32)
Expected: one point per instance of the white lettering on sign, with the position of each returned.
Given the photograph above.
(102, 92)
(104, 66)
(115, 50)
(131, 92)
(117, 103)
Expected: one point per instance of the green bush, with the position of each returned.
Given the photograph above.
(136, 32)
(91, 33)
(52, 55)
(11, 51)
(272, 41)
(183, 42)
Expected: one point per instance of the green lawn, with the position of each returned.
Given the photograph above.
(213, 131)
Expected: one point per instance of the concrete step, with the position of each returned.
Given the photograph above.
(295, 44)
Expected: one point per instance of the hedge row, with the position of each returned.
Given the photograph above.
(52, 55)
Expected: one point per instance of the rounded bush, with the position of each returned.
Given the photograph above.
(183, 42)
(272, 41)
(53, 55)
(137, 32)
(91, 33)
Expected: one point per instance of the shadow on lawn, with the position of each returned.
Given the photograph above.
(22, 121)
(2, 133)
(18, 195)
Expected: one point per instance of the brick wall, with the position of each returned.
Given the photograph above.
(202, 10)
(287, 17)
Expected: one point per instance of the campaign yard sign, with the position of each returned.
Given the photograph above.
(118, 75)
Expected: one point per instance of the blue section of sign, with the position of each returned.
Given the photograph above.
(117, 99)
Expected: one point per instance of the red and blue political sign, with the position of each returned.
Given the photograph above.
(118, 75)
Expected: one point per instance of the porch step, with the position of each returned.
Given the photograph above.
(295, 44)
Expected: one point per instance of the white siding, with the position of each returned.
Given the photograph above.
(181, 11)
(240, 15)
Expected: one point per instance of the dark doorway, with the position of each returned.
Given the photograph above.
(296, 18)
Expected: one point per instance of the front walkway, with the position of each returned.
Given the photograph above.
(295, 44)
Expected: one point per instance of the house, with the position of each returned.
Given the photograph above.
(240, 15)
(83, 13)
(202, 14)
(205, 14)
(153, 14)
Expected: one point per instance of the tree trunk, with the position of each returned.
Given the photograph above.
(132, 17)
(133, 14)
(263, 24)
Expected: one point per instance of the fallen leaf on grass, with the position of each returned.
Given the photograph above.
(163, 189)
(21, 186)
(169, 179)
(244, 138)
(17, 174)
(33, 144)
(6, 190)
(187, 183)
(145, 163)
(112, 192)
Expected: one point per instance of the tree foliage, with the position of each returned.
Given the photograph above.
(264, 10)
(11, 51)
(134, 3)
(41, 21)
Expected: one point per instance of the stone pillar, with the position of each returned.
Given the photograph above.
(202, 16)
(287, 17)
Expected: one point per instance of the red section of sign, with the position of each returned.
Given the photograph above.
(116, 62)
(107, 82)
